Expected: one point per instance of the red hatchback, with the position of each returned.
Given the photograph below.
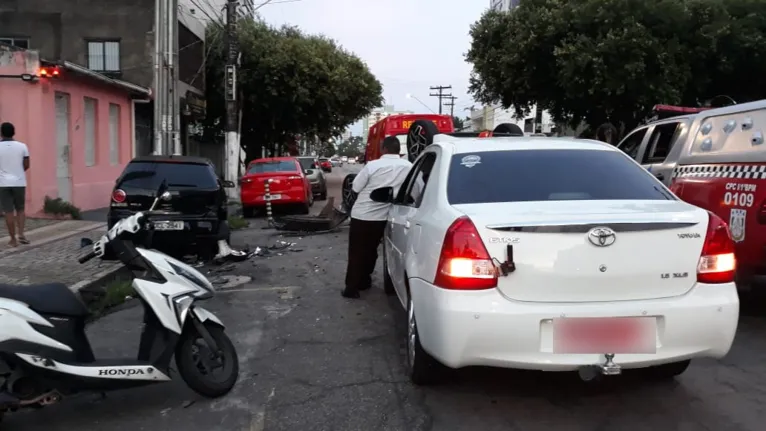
(288, 185)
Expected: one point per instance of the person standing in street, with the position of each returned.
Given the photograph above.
(14, 162)
(369, 218)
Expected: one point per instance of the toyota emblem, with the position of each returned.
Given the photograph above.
(602, 236)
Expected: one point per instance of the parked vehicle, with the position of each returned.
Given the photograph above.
(315, 175)
(194, 218)
(714, 159)
(325, 164)
(288, 185)
(344, 159)
(336, 162)
(594, 266)
(399, 126)
(46, 355)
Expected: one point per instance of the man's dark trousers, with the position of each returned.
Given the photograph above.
(363, 239)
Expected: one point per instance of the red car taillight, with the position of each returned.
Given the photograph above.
(717, 262)
(119, 196)
(465, 263)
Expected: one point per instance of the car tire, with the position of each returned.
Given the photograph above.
(323, 195)
(508, 128)
(419, 136)
(347, 193)
(248, 212)
(669, 371)
(388, 283)
(422, 368)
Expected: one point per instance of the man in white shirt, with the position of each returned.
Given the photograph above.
(368, 218)
(14, 162)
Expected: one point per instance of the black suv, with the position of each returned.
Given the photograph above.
(196, 212)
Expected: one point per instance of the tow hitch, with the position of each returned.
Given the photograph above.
(608, 368)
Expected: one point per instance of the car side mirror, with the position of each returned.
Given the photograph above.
(85, 242)
(228, 184)
(309, 172)
(383, 195)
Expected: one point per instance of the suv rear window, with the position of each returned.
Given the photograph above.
(549, 175)
(149, 175)
(275, 166)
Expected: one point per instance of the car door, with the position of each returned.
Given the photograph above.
(634, 144)
(405, 231)
(662, 141)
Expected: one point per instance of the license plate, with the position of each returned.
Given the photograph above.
(272, 197)
(584, 335)
(168, 225)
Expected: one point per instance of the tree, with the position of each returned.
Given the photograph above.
(458, 123)
(598, 61)
(351, 147)
(289, 84)
(327, 149)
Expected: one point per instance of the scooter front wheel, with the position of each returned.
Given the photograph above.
(210, 373)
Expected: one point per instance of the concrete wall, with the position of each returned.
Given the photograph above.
(31, 108)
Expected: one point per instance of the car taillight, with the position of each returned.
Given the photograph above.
(717, 263)
(464, 263)
(119, 196)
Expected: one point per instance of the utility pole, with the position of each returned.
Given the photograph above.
(451, 105)
(231, 154)
(174, 104)
(441, 95)
(160, 125)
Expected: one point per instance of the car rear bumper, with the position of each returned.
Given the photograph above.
(483, 328)
(250, 198)
(195, 227)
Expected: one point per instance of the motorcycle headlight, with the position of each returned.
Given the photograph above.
(197, 279)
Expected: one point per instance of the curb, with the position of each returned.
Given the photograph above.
(50, 239)
(102, 278)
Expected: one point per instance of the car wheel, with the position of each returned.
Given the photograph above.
(668, 371)
(419, 136)
(248, 212)
(323, 195)
(388, 284)
(509, 129)
(422, 367)
(347, 193)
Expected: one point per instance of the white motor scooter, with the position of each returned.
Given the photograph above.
(45, 354)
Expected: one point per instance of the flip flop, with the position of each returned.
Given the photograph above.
(23, 240)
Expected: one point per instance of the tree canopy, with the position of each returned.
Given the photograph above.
(597, 61)
(289, 84)
(351, 147)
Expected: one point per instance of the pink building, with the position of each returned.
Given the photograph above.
(79, 127)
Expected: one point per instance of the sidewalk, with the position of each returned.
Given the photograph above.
(52, 255)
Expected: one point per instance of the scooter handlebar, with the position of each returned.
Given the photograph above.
(87, 257)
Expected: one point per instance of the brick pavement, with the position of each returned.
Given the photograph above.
(31, 224)
(53, 261)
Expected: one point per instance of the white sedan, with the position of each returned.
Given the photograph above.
(556, 255)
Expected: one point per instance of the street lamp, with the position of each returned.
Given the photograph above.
(412, 96)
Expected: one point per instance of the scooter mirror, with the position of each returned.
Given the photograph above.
(85, 242)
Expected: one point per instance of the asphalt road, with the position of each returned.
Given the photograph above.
(311, 360)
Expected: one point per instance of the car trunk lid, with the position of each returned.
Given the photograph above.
(560, 257)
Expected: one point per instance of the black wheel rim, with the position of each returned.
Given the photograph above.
(349, 197)
(416, 141)
(211, 365)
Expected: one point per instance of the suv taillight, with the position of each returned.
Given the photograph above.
(717, 263)
(464, 263)
(119, 196)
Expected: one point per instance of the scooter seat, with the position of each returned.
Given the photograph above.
(47, 298)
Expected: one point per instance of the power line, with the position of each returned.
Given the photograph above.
(441, 95)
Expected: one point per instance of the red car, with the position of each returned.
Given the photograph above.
(325, 164)
(288, 185)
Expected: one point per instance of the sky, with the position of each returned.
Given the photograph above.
(409, 45)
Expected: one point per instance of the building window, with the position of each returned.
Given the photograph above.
(90, 131)
(114, 134)
(18, 42)
(104, 56)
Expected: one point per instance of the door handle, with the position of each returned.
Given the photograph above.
(660, 176)
(407, 224)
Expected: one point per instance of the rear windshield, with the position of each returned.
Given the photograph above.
(548, 175)
(307, 163)
(149, 175)
(275, 166)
